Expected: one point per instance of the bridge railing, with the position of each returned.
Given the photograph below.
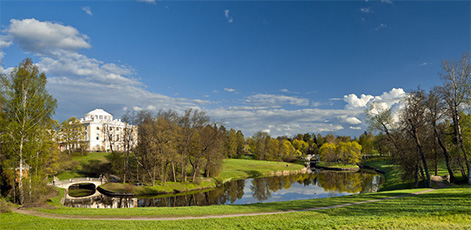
(57, 182)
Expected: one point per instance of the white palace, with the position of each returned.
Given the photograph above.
(103, 133)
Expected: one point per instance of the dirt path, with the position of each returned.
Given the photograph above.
(60, 216)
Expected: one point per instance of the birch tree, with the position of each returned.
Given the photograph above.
(27, 111)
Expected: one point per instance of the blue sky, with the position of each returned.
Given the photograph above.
(285, 67)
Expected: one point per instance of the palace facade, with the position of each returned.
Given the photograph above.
(103, 133)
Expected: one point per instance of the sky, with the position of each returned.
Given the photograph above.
(283, 67)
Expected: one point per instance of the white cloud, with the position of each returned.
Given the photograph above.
(81, 83)
(228, 16)
(148, 1)
(381, 26)
(4, 43)
(284, 90)
(274, 100)
(424, 64)
(87, 10)
(356, 128)
(366, 10)
(354, 102)
(45, 37)
(387, 1)
(288, 122)
(385, 100)
(353, 120)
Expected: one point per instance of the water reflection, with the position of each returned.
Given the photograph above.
(266, 189)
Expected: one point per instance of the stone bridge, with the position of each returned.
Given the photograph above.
(88, 180)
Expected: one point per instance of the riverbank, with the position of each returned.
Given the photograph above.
(443, 208)
(233, 169)
(336, 167)
(439, 209)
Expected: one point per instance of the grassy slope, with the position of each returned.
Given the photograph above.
(240, 168)
(444, 208)
(323, 164)
(232, 169)
(99, 156)
(392, 177)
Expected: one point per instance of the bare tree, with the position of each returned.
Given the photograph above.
(455, 92)
(436, 113)
(414, 123)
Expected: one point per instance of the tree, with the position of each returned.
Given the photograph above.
(261, 140)
(414, 121)
(328, 153)
(129, 139)
(455, 92)
(436, 112)
(27, 112)
(72, 135)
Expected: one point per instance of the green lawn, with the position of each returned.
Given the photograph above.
(100, 156)
(392, 177)
(323, 164)
(448, 208)
(234, 169)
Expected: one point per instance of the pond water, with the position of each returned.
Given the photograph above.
(265, 189)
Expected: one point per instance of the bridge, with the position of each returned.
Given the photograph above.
(88, 180)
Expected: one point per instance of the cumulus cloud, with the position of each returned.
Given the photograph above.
(87, 10)
(45, 37)
(81, 83)
(354, 102)
(385, 100)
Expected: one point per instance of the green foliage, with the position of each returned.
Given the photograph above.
(5, 206)
(26, 125)
(345, 153)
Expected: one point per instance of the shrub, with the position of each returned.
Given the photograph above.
(198, 180)
(5, 206)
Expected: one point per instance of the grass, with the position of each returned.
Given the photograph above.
(323, 164)
(442, 170)
(170, 187)
(440, 209)
(224, 209)
(448, 208)
(64, 175)
(392, 177)
(99, 156)
(233, 169)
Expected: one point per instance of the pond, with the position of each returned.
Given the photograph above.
(265, 189)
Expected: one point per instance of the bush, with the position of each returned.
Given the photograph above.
(198, 180)
(5, 206)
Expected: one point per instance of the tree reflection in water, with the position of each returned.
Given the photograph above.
(299, 186)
